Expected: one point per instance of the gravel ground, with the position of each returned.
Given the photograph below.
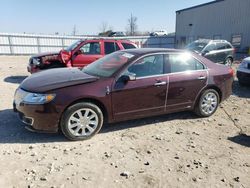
(176, 150)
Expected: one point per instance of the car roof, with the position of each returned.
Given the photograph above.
(107, 40)
(142, 51)
(210, 40)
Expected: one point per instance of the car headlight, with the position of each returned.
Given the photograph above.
(36, 61)
(36, 98)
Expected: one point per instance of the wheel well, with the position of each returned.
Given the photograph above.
(216, 89)
(231, 57)
(57, 62)
(209, 87)
(94, 101)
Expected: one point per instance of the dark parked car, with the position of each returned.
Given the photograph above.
(79, 54)
(124, 85)
(218, 51)
(243, 72)
(117, 34)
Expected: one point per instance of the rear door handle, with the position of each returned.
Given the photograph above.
(161, 83)
(201, 77)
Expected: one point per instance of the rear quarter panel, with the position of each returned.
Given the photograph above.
(219, 76)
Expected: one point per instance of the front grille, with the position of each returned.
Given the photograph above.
(26, 120)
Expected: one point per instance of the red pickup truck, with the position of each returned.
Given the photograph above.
(79, 54)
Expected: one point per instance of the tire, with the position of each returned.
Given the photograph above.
(81, 121)
(55, 65)
(229, 61)
(205, 107)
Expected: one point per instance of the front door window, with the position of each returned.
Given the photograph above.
(148, 66)
(91, 48)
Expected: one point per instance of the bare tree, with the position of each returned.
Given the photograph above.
(104, 27)
(74, 31)
(132, 25)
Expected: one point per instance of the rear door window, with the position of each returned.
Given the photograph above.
(182, 62)
(91, 48)
(220, 46)
(210, 47)
(148, 66)
(110, 47)
(128, 46)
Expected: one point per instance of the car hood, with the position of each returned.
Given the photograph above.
(247, 59)
(55, 78)
(46, 54)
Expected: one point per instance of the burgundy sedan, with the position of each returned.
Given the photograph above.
(124, 85)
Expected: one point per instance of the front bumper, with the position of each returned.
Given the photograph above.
(39, 118)
(243, 77)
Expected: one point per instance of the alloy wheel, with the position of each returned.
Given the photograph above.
(209, 103)
(229, 62)
(83, 122)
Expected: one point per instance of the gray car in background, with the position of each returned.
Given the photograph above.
(218, 51)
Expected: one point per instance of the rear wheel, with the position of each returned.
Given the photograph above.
(229, 61)
(81, 121)
(208, 103)
(241, 83)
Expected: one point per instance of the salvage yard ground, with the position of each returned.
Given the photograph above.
(176, 150)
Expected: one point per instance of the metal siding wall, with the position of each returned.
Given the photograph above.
(222, 18)
(50, 41)
(25, 44)
(23, 41)
(50, 49)
(5, 50)
(4, 40)
(68, 42)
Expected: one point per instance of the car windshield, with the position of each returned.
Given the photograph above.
(72, 46)
(108, 65)
(196, 46)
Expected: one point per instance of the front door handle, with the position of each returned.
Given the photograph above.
(160, 83)
(201, 77)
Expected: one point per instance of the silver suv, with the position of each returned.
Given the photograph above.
(218, 51)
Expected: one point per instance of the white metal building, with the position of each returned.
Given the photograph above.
(221, 19)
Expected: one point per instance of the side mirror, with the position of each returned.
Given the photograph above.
(127, 77)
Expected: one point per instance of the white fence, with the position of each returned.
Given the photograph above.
(28, 44)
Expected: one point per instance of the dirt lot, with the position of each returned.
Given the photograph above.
(176, 150)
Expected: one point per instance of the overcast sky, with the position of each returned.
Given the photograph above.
(50, 16)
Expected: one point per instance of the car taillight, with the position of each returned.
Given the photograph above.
(234, 50)
(231, 72)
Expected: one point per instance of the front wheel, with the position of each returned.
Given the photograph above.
(81, 121)
(208, 103)
(229, 61)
